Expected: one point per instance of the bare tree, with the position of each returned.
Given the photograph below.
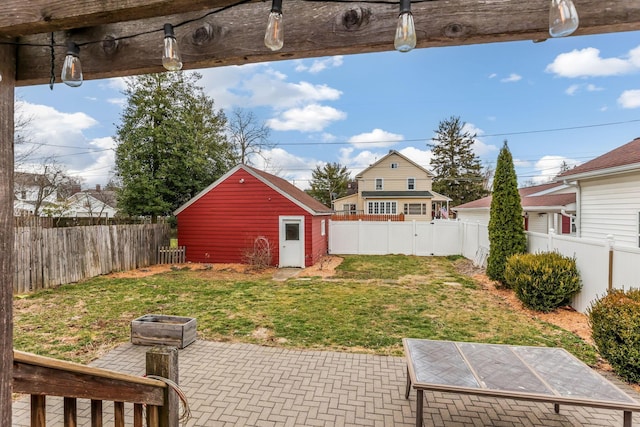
(24, 147)
(43, 187)
(248, 136)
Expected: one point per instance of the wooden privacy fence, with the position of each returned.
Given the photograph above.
(47, 257)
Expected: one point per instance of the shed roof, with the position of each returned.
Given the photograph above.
(280, 185)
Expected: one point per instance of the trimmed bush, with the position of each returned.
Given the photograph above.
(543, 281)
(615, 326)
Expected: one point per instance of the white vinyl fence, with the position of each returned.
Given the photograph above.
(592, 259)
(395, 237)
(442, 237)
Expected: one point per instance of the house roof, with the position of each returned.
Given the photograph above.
(394, 153)
(626, 157)
(280, 185)
(528, 198)
(409, 194)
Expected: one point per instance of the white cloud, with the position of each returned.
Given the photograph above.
(549, 166)
(630, 99)
(571, 90)
(59, 136)
(120, 102)
(521, 163)
(256, 85)
(493, 75)
(421, 157)
(575, 88)
(513, 77)
(311, 118)
(328, 137)
(587, 62)
(375, 138)
(118, 83)
(479, 147)
(295, 169)
(319, 65)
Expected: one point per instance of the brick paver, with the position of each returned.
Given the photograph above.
(249, 385)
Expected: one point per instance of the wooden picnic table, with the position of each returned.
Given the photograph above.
(543, 374)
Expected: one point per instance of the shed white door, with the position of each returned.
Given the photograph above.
(291, 241)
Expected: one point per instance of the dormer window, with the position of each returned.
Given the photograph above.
(394, 166)
(379, 184)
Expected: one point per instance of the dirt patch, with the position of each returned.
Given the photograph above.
(326, 267)
(565, 317)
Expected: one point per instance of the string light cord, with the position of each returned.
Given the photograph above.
(52, 44)
(185, 414)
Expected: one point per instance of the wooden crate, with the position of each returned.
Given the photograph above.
(161, 329)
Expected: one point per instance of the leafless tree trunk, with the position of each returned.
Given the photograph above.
(248, 137)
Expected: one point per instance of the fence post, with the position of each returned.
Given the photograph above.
(163, 362)
(610, 243)
(552, 233)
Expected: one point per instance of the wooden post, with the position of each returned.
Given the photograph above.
(610, 243)
(163, 362)
(7, 87)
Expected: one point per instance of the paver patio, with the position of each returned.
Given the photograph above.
(231, 384)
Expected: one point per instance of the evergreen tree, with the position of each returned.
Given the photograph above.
(171, 144)
(458, 173)
(506, 226)
(329, 182)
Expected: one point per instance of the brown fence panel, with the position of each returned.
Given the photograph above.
(47, 257)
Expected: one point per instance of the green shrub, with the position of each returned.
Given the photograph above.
(615, 326)
(543, 281)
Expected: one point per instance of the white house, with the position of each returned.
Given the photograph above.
(544, 207)
(608, 195)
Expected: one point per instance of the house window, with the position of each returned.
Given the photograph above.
(349, 208)
(415, 208)
(394, 166)
(382, 208)
(379, 184)
(323, 227)
(411, 183)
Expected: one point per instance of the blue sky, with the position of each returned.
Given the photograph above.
(354, 109)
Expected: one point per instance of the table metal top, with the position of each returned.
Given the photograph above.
(536, 373)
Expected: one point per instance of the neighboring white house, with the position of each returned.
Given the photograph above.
(608, 195)
(86, 205)
(544, 207)
(31, 190)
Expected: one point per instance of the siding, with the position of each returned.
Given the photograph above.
(394, 179)
(611, 206)
(317, 244)
(481, 217)
(539, 224)
(223, 224)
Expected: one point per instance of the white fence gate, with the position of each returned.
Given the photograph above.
(395, 237)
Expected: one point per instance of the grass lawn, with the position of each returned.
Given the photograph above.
(368, 306)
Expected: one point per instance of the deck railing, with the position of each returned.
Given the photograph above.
(41, 376)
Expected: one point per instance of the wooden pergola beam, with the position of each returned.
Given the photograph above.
(312, 29)
(19, 17)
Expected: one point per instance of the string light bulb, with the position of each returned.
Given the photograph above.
(72, 68)
(563, 18)
(274, 36)
(170, 54)
(405, 39)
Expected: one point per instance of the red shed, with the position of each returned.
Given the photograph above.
(248, 208)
